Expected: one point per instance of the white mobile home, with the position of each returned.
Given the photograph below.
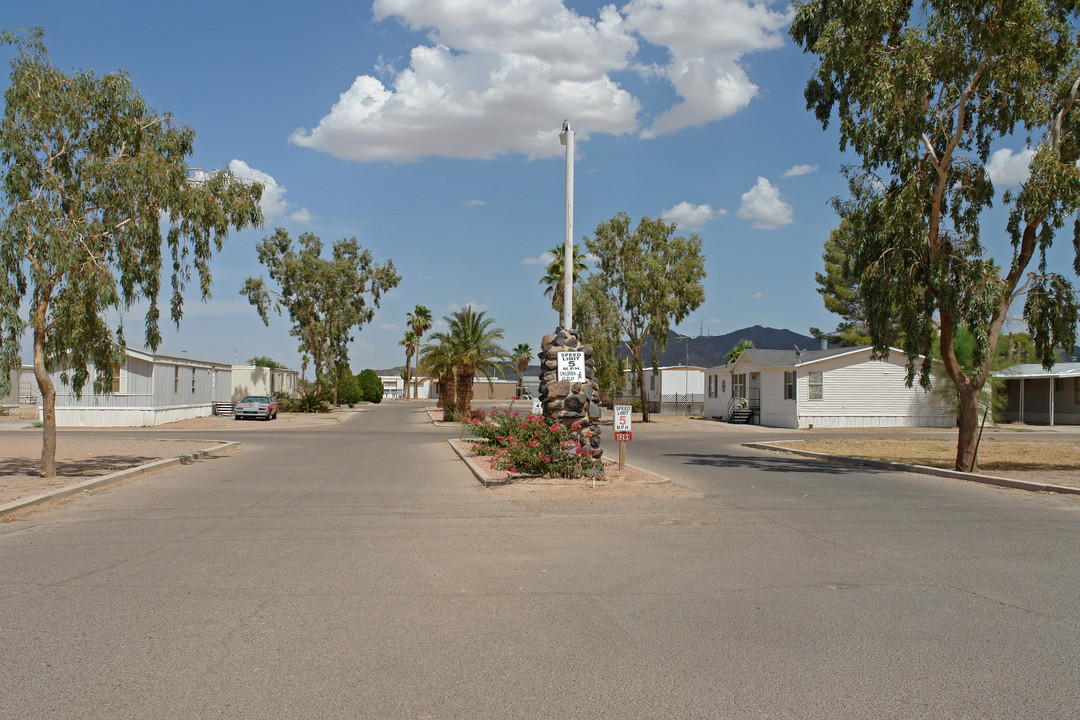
(674, 388)
(258, 380)
(1037, 395)
(148, 389)
(840, 387)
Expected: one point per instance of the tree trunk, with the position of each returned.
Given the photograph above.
(641, 388)
(447, 390)
(48, 395)
(463, 389)
(968, 428)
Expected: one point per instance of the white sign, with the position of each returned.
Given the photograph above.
(538, 409)
(622, 418)
(572, 367)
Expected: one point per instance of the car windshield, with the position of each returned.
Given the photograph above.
(256, 399)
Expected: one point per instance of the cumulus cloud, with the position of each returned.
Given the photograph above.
(799, 170)
(763, 206)
(498, 78)
(273, 202)
(691, 217)
(1006, 168)
(545, 259)
(475, 203)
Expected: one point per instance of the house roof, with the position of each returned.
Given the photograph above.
(1035, 370)
(162, 354)
(789, 358)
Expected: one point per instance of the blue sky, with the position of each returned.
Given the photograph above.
(428, 129)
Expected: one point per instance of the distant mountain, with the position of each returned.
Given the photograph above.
(710, 350)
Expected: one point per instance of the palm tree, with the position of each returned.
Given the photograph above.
(437, 360)
(420, 322)
(521, 355)
(409, 341)
(553, 280)
(476, 351)
(735, 352)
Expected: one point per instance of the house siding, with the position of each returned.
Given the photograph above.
(1036, 409)
(871, 393)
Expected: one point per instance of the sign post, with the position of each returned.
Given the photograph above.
(622, 431)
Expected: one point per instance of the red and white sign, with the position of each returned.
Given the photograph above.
(622, 422)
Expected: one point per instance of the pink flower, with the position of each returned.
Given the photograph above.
(554, 428)
(533, 443)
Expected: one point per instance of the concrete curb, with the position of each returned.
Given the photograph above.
(103, 480)
(921, 469)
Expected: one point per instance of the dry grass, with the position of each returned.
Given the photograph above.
(1047, 461)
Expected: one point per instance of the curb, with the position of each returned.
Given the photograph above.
(103, 480)
(921, 469)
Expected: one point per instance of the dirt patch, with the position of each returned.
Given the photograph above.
(1055, 462)
(626, 483)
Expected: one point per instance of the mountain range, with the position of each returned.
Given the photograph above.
(711, 350)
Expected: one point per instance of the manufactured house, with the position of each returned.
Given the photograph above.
(671, 389)
(838, 387)
(1039, 396)
(149, 388)
(258, 380)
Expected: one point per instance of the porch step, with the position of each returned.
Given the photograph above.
(741, 416)
(223, 408)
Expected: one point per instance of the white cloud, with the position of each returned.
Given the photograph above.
(799, 170)
(763, 206)
(1007, 169)
(498, 78)
(476, 203)
(477, 307)
(273, 202)
(691, 217)
(544, 259)
(388, 326)
(705, 40)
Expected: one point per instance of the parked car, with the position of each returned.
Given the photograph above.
(256, 406)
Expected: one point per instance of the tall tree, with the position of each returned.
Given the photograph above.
(922, 93)
(647, 279)
(409, 343)
(90, 176)
(325, 297)
(555, 277)
(476, 351)
(521, 356)
(420, 322)
(438, 359)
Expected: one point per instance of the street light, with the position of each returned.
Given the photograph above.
(566, 138)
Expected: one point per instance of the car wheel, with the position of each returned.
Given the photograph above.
(237, 417)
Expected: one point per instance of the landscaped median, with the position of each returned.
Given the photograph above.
(1042, 465)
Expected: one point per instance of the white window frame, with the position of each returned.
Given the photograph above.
(789, 384)
(815, 381)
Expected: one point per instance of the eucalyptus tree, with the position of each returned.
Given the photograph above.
(521, 356)
(555, 278)
(420, 322)
(326, 298)
(646, 279)
(90, 176)
(923, 92)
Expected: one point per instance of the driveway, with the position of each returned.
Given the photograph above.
(359, 571)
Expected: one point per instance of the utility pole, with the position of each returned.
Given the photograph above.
(567, 138)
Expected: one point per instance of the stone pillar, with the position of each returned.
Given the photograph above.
(569, 403)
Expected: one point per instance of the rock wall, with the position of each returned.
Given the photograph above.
(566, 402)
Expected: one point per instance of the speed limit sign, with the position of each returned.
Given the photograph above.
(622, 419)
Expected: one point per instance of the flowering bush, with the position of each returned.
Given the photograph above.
(529, 445)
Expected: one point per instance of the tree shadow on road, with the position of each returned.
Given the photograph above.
(773, 463)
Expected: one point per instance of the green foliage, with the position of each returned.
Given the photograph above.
(470, 347)
(645, 281)
(555, 277)
(521, 356)
(531, 445)
(326, 298)
(348, 387)
(89, 172)
(921, 94)
(310, 401)
(419, 322)
(371, 387)
(264, 361)
(734, 353)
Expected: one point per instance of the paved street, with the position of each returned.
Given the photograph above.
(359, 571)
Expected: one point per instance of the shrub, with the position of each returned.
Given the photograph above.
(530, 445)
(310, 402)
(371, 387)
(449, 413)
(348, 388)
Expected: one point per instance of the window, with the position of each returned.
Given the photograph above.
(115, 378)
(176, 379)
(738, 385)
(713, 381)
(652, 381)
(815, 383)
(192, 381)
(789, 384)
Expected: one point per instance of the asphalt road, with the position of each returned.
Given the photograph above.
(359, 571)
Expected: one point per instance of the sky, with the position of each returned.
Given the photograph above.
(429, 130)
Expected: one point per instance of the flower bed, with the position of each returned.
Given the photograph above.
(531, 445)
